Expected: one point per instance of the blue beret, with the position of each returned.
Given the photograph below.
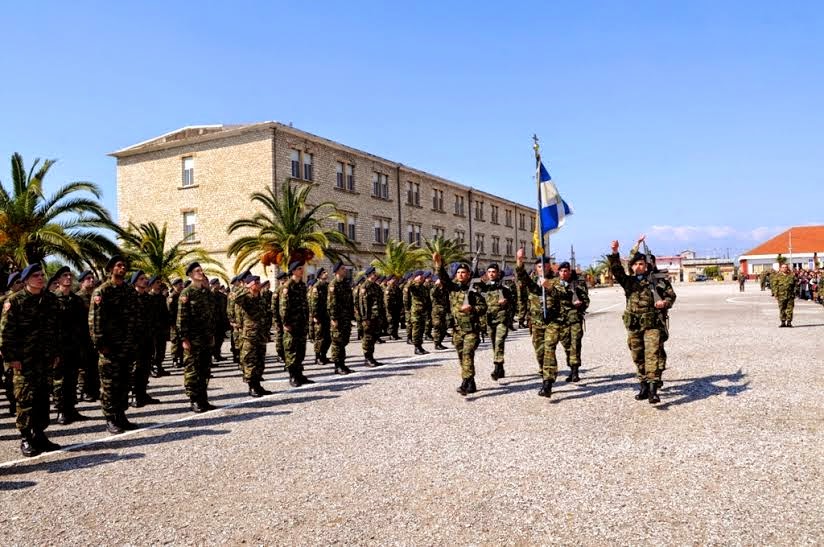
(60, 271)
(214, 281)
(320, 272)
(294, 266)
(337, 266)
(30, 269)
(84, 275)
(233, 280)
(264, 283)
(153, 279)
(133, 279)
(564, 265)
(13, 278)
(251, 278)
(311, 282)
(282, 276)
(463, 266)
(191, 267)
(114, 260)
(427, 275)
(369, 270)
(435, 278)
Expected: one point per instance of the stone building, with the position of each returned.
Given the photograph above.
(198, 180)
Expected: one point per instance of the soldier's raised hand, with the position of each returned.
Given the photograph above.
(436, 259)
(519, 256)
(614, 246)
(641, 237)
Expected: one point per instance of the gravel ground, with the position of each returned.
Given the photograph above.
(732, 455)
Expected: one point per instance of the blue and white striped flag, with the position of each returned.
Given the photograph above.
(554, 209)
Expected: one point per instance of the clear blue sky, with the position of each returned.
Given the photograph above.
(699, 123)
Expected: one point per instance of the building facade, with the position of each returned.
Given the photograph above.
(198, 180)
(801, 246)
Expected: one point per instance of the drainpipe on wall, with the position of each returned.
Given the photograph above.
(400, 220)
(275, 159)
(469, 203)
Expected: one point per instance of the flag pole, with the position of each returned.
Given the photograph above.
(537, 148)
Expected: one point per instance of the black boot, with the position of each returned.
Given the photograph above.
(575, 377)
(113, 427)
(124, 422)
(27, 445)
(294, 378)
(372, 362)
(782, 325)
(409, 339)
(462, 389)
(196, 406)
(43, 444)
(420, 351)
(497, 372)
(789, 324)
(304, 379)
(63, 418)
(643, 394)
(546, 389)
(341, 368)
(470, 385)
(439, 345)
(653, 393)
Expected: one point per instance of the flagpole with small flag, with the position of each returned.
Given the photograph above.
(539, 247)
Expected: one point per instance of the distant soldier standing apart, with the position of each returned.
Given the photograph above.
(251, 313)
(28, 337)
(74, 341)
(467, 308)
(644, 319)
(294, 316)
(372, 315)
(341, 311)
(112, 326)
(196, 328)
(320, 316)
(783, 286)
(500, 304)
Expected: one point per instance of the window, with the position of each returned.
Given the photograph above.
(496, 245)
(508, 217)
(459, 205)
(493, 215)
(188, 171)
(437, 200)
(438, 231)
(522, 222)
(413, 193)
(307, 166)
(460, 236)
(523, 244)
(189, 225)
(380, 185)
(479, 210)
(414, 233)
(381, 230)
(350, 177)
(294, 158)
(479, 243)
(510, 243)
(348, 226)
(531, 224)
(339, 180)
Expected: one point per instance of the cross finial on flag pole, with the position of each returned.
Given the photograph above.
(535, 144)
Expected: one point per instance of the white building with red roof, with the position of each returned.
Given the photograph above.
(800, 245)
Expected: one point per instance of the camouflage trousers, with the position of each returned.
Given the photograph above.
(538, 332)
(279, 343)
(115, 372)
(64, 384)
(439, 324)
(497, 334)
(252, 356)
(32, 387)
(197, 363)
(340, 337)
(407, 314)
(220, 335)
(294, 350)
(158, 350)
(570, 336)
(234, 342)
(418, 319)
(394, 322)
(371, 331)
(176, 348)
(465, 344)
(786, 307)
(427, 329)
(523, 308)
(88, 377)
(8, 383)
(647, 350)
(323, 338)
(141, 367)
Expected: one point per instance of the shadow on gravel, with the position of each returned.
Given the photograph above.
(810, 325)
(63, 464)
(690, 390)
(590, 386)
(19, 485)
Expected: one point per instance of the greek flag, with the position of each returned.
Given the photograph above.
(553, 209)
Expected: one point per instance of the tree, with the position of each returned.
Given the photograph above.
(594, 272)
(65, 225)
(288, 229)
(145, 245)
(712, 272)
(603, 266)
(400, 257)
(451, 250)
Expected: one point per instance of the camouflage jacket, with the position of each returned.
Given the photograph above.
(172, 303)
(560, 301)
(495, 312)
(439, 297)
(370, 302)
(294, 307)
(458, 293)
(641, 312)
(145, 320)
(29, 331)
(318, 297)
(419, 302)
(393, 298)
(339, 302)
(252, 315)
(783, 286)
(73, 320)
(196, 315)
(534, 292)
(160, 312)
(112, 318)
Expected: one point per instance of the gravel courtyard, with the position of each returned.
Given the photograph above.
(733, 454)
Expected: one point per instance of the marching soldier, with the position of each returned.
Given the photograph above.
(537, 312)
(14, 284)
(251, 313)
(73, 342)
(88, 378)
(372, 315)
(499, 304)
(196, 327)
(160, 332)
(467, 308)
(294, 315)
(644, 319)
(783, 286)
(341, 311)
(267, 295)
(28, 335)
(440, 306)
(418, 310)
(173, 302)
(320, 316)
(112, 326)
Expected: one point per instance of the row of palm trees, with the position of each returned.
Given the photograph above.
(72, 227)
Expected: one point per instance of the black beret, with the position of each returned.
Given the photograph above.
(233, 280)
(153, 279)
(191, 267)
(338, 265)
(187, 283)
(251, 278)
(294, 266)
(320, 272)
(176, 281)
(282, 276)
(13, 278)
(84, 275)
(60, 271)
(369, 270)
(30, 269)
(638, 257)
(564, 264)
(541, 259)
(463, 266)
(493, 266)
(133, 278)
(114, 260)
(214, 281)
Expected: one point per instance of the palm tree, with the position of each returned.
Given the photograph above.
(288, 229)
(400, 257)
(451, 250)
(603, 266)
(64, 225)
(145, 245)
(594, 273)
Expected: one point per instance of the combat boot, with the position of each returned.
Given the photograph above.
(369, 361)
(420, 351)
(76, 416)
(113, 427)
(27, 446)
(409, 339)
(42, 443)
(789, 324)
(782, 325)
(462, 388)
(205, 404)
(196, 406)
(259, 390)
(573, 375)
(372, 361)
(470, 385)
(653, 393)
(63, 418)
(499, 372)
(546, 389)
(439, 345)
(294, 378)
(643, 394)
(341, 368)
(124, 422)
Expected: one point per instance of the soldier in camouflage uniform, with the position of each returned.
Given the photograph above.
(267, 295)
(440, 304)
(356, 298)
(320, 316)
(221, 318)
(523, 304)
(644, 319)
(112, 321)
(160, 331)
(500, 304)
(537, 311)
(427, 285)
(467, 308)
(294, 316)
(146, 323)
(251, 313)
(88, 378)
(393, 301)
(418, 310)
(340, 309)
(15, 284)
(196, 328)
(372, 315)
(783, 286)
(406, 300)
(172, 304)
(28, 335)
(234, 336)
(275, 314)
(73, 342)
